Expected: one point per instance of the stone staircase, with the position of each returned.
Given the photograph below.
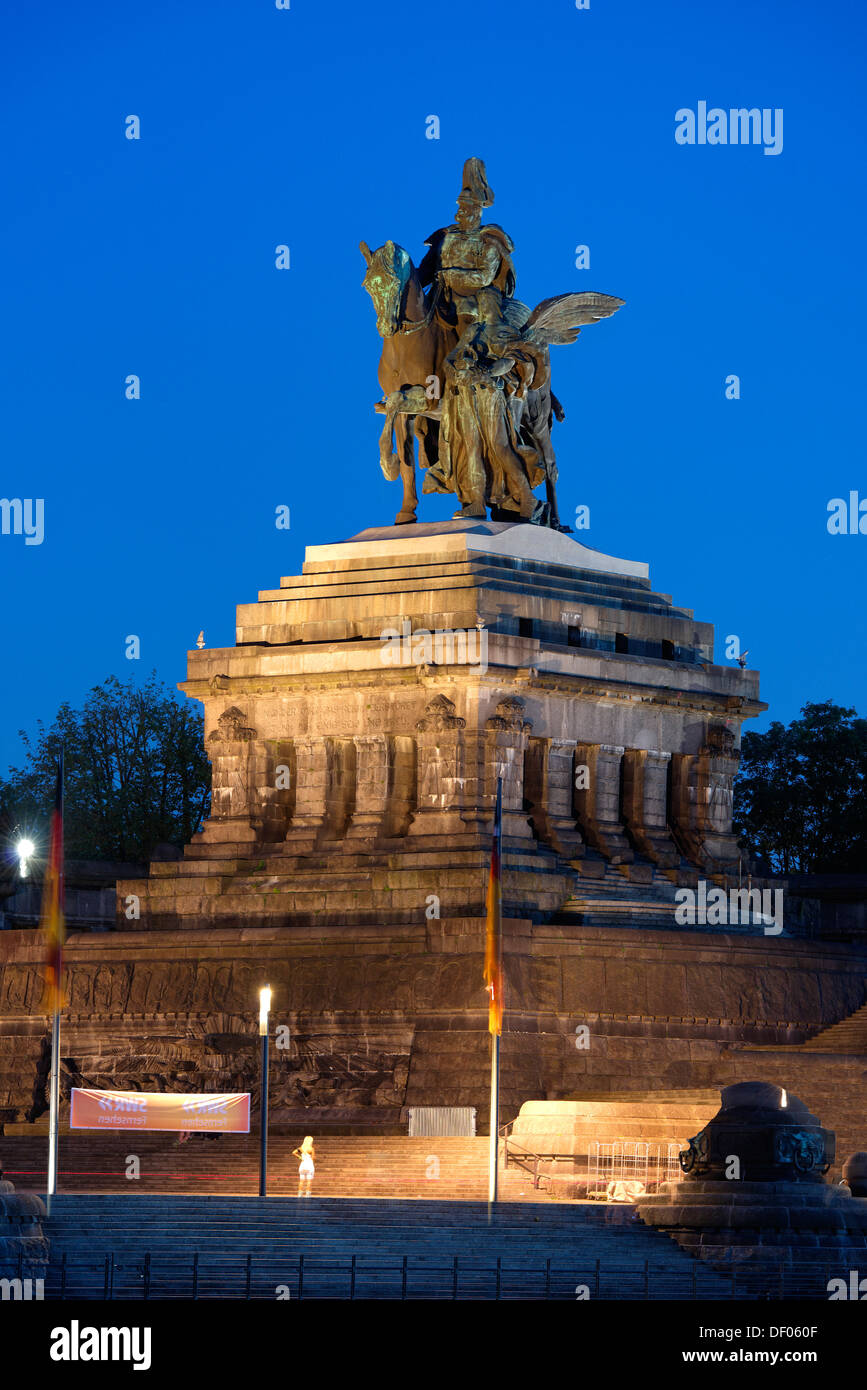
(433, 1168)
(639, 895)
(616, 899)
(272, 886)
(346, 1165)
(849, 1036)
(133, 1247)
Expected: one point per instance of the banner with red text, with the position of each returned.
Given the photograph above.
(213, 1113)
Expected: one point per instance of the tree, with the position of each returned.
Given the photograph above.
(800, 797)
(136, 774)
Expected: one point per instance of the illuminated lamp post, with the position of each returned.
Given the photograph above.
(264, 1007)
(25, 849)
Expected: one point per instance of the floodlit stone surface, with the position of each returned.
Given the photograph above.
(346, 858)
(358, 727)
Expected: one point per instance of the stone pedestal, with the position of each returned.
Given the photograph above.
(754, 1190)
(502, 752)
(231, 749)
(358, 728)
(375, 787)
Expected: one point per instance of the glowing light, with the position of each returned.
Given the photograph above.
(264, 1008)
(25, 850)
(784, 1099)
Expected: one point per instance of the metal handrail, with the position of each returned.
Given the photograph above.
(527, 1153)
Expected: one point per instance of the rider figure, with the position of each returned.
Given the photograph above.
(471, 266)
(471, 263)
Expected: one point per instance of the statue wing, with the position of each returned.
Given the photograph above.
(516, 316)
(559, 320)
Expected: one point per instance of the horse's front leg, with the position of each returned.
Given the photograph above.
(405, 442)
(388, 460)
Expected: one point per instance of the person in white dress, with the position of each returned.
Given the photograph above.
(306, 1169)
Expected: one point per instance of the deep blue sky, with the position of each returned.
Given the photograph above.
(307, 127)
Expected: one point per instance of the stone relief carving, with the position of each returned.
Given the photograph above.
(510, 715)
(231, 781)
(697, 1156)
(231, 728)
(440, 717)
(803, 1148)
(720, 743)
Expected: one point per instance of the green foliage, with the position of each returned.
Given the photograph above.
(800, 797)
(136, 774)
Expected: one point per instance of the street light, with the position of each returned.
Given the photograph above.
(25, 850)
(264, 1008)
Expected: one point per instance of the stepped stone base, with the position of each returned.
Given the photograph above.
(742, 1221)
(345, 860)
(359, 726)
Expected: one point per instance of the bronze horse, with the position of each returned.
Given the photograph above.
(413, 367)
(414, 347)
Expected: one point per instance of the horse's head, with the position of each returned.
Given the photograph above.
(389, 272)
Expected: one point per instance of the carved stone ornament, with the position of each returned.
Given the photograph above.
(231, 728)
(806, 1151)
(696, 1157)
(509, 715)
(440, 717)
(720, 743)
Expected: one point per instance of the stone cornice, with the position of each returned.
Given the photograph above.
(496, 677)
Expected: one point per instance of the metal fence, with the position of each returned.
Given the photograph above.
(632, 1160)
(257, 1276)
(442, 1120)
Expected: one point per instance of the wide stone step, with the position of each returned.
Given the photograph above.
(398, 1247)
(346, 1166)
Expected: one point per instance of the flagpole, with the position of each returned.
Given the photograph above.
(53, 1099)
(495, 1117)
(494, 972)
(54, 1075)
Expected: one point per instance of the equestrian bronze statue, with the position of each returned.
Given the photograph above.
(465, 368)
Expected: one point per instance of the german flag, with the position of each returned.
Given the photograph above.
(494, 933)
(53, 925)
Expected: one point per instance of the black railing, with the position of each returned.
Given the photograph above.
(118, 1276)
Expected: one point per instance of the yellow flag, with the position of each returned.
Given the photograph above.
(53, 925)
(494, 933)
